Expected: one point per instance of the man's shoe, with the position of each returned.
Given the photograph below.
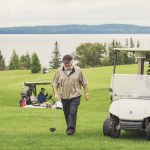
(70, 132)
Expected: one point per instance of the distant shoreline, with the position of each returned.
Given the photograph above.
(78, 29)
(70, 33)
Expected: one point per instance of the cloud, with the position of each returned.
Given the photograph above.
(42, 12)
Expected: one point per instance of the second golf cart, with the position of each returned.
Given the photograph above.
(29, 96)
(130, 98)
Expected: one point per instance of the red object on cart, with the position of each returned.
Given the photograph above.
(23, 102)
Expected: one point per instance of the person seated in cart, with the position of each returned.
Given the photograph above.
(41, 96)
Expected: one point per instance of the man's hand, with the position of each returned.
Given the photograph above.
(57, 97)
(87, 97)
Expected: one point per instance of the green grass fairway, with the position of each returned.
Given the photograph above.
(28, 129)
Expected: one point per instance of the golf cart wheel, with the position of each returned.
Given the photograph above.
(115, 131)
(106, 127)
(148, 131)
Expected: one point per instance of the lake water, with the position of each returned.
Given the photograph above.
(43, 44)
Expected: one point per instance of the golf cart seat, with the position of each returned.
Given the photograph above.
(34, 100)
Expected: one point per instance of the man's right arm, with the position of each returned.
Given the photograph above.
(55, 85)
(55, 91)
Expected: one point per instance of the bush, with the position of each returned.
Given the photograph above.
(105, 61)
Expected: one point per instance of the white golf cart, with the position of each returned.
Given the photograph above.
(130, 98)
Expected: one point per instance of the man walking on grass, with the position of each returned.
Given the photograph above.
(67, 84)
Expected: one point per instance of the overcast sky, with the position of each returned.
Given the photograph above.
(58, 12)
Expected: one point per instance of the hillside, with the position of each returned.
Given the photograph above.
(78, 29)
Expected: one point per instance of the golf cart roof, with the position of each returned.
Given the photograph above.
(132, 49)
(37, 83)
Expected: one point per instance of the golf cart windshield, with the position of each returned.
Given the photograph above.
(130, 86)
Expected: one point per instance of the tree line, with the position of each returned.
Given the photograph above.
(24, 62)
(85, 55)
(98, 54)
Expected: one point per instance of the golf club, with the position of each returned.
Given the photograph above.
(53, 117)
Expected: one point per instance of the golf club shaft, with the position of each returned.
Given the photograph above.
(53, 117)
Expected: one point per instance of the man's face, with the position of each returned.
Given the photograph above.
(68, 65)
(43, 91)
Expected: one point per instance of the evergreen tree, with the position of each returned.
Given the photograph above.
(131, 43)
(127, 43)
(35, 64)
(119, 44)
(111, 53)
(22, 62)
(25, 62)
(28, 61)
(56, 60)
(2, 62)
(138, 44)
(14, 63)
(113, 44)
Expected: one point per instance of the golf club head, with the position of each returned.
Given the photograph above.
(52, 129)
